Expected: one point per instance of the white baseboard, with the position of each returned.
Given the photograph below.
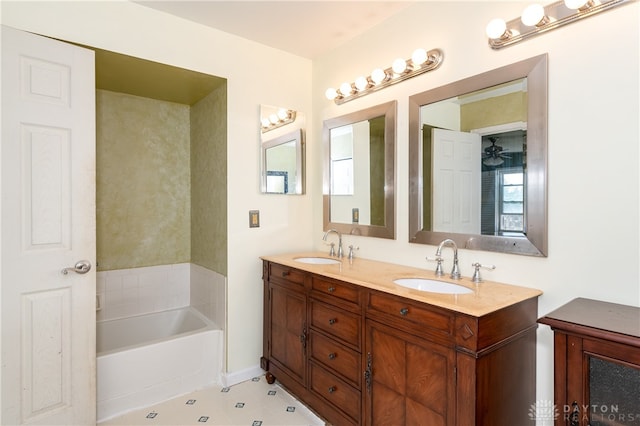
(230, 379)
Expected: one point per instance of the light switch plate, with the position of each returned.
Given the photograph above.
(254, 218)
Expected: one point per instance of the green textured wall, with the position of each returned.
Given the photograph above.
(143, 181)
(494, 111)
(209, 181)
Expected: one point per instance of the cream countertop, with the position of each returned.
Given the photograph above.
(487, 296)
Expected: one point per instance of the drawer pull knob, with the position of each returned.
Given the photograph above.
(332, 355)
(332, 321)
(331, 289)
(404, 311)
(285, 273)
(332, 389)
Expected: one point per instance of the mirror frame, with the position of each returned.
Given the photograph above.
(388, 110)
(535, 241)
(298, 137)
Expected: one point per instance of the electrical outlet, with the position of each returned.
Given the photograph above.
(355, 215)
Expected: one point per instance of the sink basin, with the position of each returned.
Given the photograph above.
(317, 260)
(432, 286)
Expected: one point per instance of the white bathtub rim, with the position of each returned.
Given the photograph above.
(209, 325)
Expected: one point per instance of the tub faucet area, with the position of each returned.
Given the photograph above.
(455, 271)
(332, 251)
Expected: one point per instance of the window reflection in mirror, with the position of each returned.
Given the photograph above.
(477, 163)
(357, 155)
(282, 155)
(359, 172)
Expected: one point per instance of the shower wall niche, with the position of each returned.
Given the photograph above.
(161, 202)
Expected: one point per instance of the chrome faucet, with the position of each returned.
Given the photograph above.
(332, 252)
(455, 272)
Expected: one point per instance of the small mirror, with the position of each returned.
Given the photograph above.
(478, 152)
(359, 170)
(282, 151)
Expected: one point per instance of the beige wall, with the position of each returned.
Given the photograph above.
(586, 109)
(209, 181)
(142, 188)
(282, 79)
(594, 241)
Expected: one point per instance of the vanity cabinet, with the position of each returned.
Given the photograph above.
(286, 334)
(360, 356)
(316, 349)
(596, 363)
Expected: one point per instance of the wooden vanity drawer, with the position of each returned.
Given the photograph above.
(336, 289)
(336, 356)
(286, 273)
(335, 390)
(341, 324)
(405, 310)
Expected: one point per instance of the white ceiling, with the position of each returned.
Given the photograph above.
(304, 28)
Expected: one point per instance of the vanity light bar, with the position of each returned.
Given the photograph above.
(537, 19)
(282, 117)
(421, 61)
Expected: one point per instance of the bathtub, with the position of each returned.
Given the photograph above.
(146, 359)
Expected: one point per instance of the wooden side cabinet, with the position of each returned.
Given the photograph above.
(596, 363)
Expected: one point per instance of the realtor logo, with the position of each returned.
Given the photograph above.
(543, 410)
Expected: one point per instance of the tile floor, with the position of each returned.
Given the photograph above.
(251, 403)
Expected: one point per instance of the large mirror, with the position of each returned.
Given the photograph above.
(282, 151)
(359, 170)
(478, 161)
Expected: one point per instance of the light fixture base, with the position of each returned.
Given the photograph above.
(433, 61)
(561, 14)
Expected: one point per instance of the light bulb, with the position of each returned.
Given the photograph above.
(399, 66)
(331, 93)
(361, 83)
(575, 4)
(533, 15)
(496, 28)
(273, 118)
(265, 122)
(419, 56)
(283, 114)
(378, 75)
(345, 89)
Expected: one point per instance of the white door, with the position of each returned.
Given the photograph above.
(48, 223)
(456, 181)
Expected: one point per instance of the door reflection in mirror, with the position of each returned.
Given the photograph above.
(473, 147)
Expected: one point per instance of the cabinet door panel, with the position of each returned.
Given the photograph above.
(288, 330)
(411, 379)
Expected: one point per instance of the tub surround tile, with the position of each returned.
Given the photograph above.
(137, 291)
(208, 293)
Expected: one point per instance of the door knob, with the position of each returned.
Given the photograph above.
(81, 267)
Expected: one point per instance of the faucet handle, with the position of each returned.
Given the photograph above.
(476, 273)
(332, 250)
(439, 259)
(351, 249)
